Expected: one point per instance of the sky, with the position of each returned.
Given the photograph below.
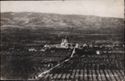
(105, 8)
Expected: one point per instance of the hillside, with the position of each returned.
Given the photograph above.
(65, 23)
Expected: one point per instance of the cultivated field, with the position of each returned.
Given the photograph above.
(91, 68)
(28, 65)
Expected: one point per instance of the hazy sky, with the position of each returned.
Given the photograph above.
(108, 8)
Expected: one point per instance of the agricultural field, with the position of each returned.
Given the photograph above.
(91, 68)
(25, 64)
(108, 66)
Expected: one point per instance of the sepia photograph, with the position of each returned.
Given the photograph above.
(62, 40)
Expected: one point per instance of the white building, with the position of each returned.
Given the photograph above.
(64, 43)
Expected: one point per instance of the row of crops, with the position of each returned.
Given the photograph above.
(91, 68)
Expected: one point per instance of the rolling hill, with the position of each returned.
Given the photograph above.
(62, 23)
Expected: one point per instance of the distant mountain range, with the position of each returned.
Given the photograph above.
(62, 23)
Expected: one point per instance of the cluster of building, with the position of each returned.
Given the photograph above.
(100, 44)
(66, 45)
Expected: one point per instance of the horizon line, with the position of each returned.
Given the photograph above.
(61, 14)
